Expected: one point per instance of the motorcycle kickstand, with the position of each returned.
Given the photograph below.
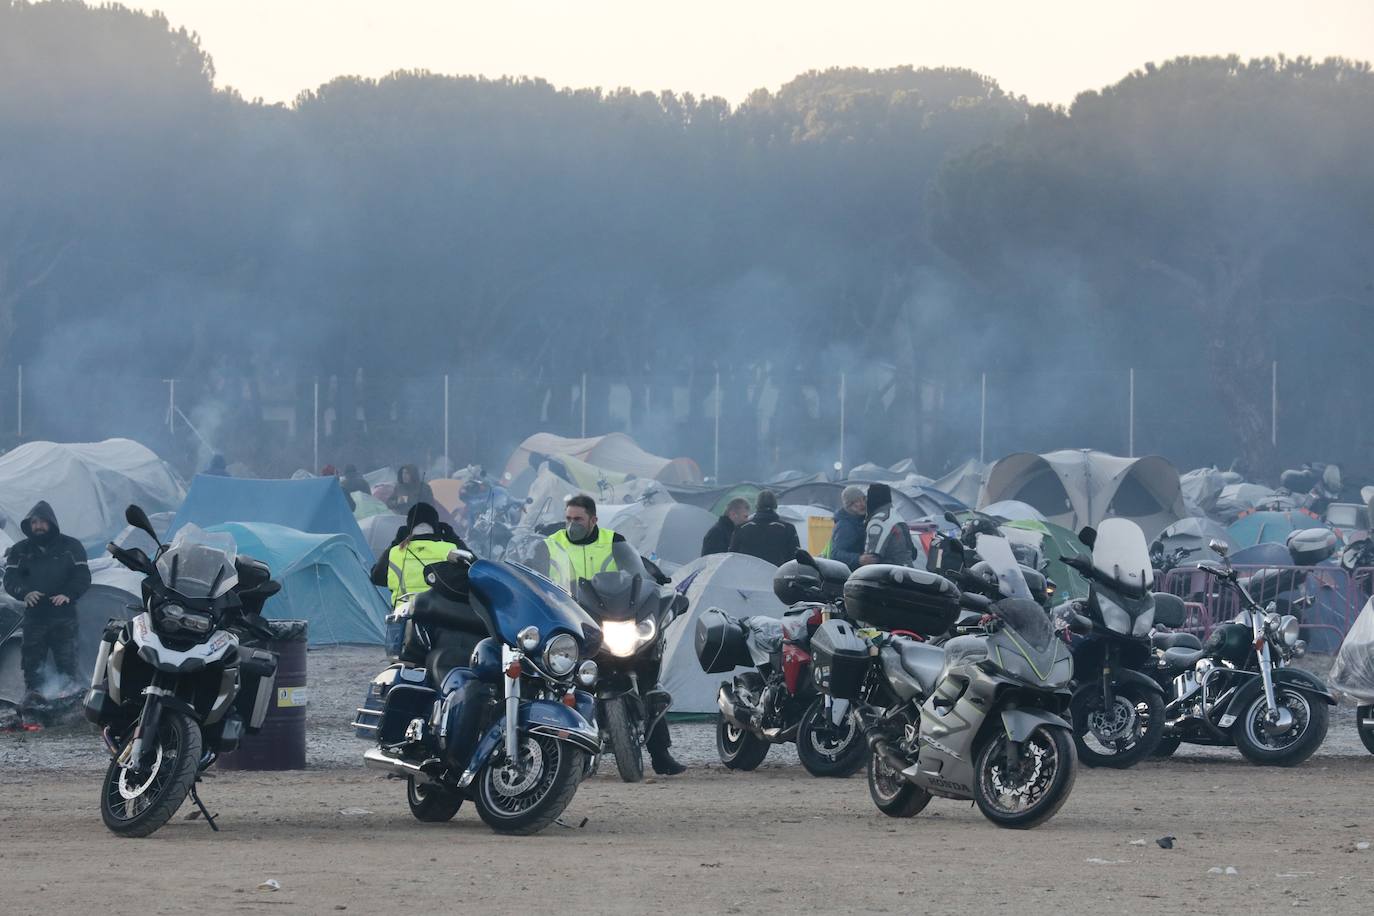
(205, 812)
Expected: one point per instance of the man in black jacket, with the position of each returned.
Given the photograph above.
(717, 540)
(766, 536)
(48, 572)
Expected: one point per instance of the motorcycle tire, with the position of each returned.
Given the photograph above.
(1366, 732)
(824, 758)
(620, 729)
(1054, 743)
(892, 794)
(738, 749)
(430, 803)
(1088, 700)
(554, 770)
(1313, 717)
(177, 763)
(1166, 747)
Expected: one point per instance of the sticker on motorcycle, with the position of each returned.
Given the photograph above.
(288, 697)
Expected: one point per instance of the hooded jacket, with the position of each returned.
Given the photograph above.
(767, 537)
(54, 564)
(717, 539)
(405, 496)
(422, 523)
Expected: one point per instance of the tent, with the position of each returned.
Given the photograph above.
(616, 452)
(714, 499)
(964, 483)
(741, 586)
(1238, 499)
(1202, 487)
(448, 492)
(1271, 527)
(88, 485)
(323, 579)
(1055, 543)
(365, 505)
(668, 533)
(1193, 535)
(1079, 487)
(1014, 511)
(314, 505)
(914, 502)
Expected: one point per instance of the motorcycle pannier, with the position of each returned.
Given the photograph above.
(839, 658)
(720, 643)
(902, 598)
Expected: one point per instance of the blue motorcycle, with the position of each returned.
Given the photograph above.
(487, 700)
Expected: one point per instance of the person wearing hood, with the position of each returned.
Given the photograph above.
(766, 535)
(422, 540)
(353, 482)
(48, 572)
(847, 539)
(717, 540)
(409, 490)
(218, 467)
(887, 539)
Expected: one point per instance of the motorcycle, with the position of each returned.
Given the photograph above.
(980, 717)
(633, 613)
(175, 686)
(777, 701)
(1237, 688)
(510, 727)
(1353, 671)
(1117, 706)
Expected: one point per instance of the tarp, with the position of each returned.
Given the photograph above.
(615, 452)
(88, 485)
(323, 579)
(670, 534)
(315, 505)
(1079, 487)
(714, 499)
(1055, 543)
(1237, 499)
(1271, 527)
(1202, 487)
(740, 585)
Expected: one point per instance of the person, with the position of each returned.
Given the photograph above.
(765, 535)
(409, 490)
(47, 571)
(422, 540)
(218, 467)
(580, 550)
(887, 539)
(353, 482)
(717, 540)
(330, 471)
(847, 538)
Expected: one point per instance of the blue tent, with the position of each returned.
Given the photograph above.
(323, 581)
(313, 504)
(1271, 527)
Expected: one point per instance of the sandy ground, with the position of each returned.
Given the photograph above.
(710, 841)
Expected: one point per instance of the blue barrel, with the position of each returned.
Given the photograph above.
(280, 744)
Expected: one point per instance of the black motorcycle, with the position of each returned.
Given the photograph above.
(633, 613)
(174, 686)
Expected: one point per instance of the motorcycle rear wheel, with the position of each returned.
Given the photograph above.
(1148, 710)
(624, 740)
(523, 800)
(1366, 733)
(1049, 757)
(430, 803)
(138, 804)
(738, 749)
(823, 755)
(892, 794)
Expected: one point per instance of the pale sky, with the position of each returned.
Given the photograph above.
(1048, 50)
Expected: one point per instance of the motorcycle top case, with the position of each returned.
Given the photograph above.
(902, 598)
(1309, 546)
(839, 658)
(720, 643)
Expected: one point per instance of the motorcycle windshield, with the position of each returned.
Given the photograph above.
(617, 595)
(996, 552)
(518, 597)
(199, 565)
(1121, 557)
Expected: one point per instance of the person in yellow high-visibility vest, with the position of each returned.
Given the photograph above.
(421, 541)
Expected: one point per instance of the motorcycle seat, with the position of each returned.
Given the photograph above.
(1176, 641)
(1181, 658)
(439, 662)
(922, 661)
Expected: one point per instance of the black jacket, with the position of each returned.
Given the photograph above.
(419, 514)
(54, 565)
(767, 537)
(717, 540)
(847, 540)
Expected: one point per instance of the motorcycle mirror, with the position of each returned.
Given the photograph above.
(135, 516)
(460, 556)
(951, 518)
(1218, 547)
(1088, 536)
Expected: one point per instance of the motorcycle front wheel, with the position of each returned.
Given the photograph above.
(1033, 787)
(891, 793)
(134, 803)
(738, 749)
(1119, 737)
(1285, 749)
(828, 750)
(528, 795)
(623, 737)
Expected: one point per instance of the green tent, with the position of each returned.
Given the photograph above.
(1056, 543)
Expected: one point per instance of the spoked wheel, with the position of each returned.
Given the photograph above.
(136, 803)
(1362, 715)
(738, 749)
(827, 749)
(1299, 732)
(893, 795)
(1121, 736)
(430, 803)
(525, 796)
(622, 732)
(1029, 790)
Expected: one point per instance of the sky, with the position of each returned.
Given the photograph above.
(1047, 50)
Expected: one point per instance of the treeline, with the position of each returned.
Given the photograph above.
(911, 228)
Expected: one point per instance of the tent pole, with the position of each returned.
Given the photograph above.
(1131, 437)
(448, 470)
(716, 451)
(983, 423)
(842, 398)
(584, 405)
(19, 397)
(316, 466)
(171, 404)
(1274, 405)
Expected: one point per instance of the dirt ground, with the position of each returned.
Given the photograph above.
(340, 839)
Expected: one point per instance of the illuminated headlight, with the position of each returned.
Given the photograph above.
(175, 617)
(528, 638)
(560, 656)
(1288, 630)
(622, 638)
(587, 673)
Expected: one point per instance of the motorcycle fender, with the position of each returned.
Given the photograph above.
(1133, 677)
(1294, 677)
(537, 717)
(1019, 723)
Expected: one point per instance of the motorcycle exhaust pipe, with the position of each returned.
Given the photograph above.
(374, 759)
(729, 708)
(889, 756)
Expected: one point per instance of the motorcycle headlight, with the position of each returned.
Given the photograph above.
(175, 617)
(528, 638)
(622, 638)
(560, 655)
(1288, 630)
(587, 673)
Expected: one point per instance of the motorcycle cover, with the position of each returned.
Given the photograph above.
(1353, 672)
(764, 637)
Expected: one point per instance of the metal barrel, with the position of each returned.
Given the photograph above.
(280, 745)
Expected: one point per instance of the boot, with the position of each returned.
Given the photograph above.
(664, 764)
